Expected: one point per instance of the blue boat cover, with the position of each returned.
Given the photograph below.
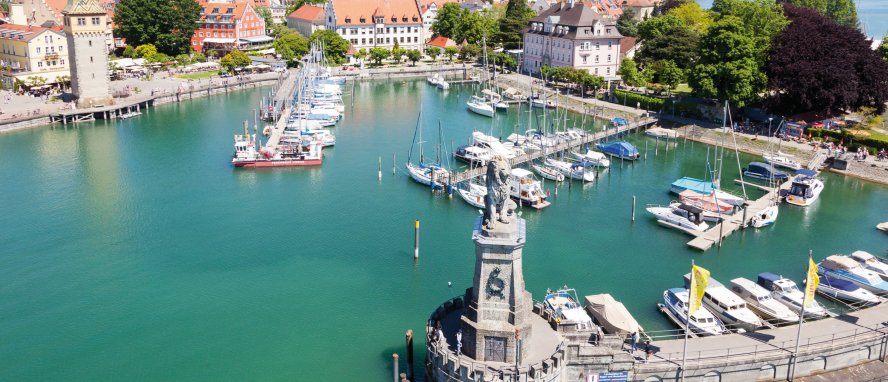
(767, 280)
(619, 121)
(621, 148)
(806, 172)
(839, 283)
(696, 185)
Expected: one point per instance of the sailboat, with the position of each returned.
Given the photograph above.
(428, 174)
(480, 106)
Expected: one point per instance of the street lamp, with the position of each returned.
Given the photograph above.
(769, 127)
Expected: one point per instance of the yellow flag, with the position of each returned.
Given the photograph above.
(699, 280)
(811, 282)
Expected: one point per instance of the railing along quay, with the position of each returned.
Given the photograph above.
(589, 138)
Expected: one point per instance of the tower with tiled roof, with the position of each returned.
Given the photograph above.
(85, 29)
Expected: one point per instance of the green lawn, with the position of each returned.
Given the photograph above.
(682, 89)
(198, 76)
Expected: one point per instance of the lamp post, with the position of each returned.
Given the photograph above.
(769, 127)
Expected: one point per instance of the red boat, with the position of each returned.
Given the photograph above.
(308, 153)
(704, 202)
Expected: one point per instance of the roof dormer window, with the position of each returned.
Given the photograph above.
(215, 10)
(380, 20)
(404, 19)
(348, 20)
(363, 20)
(229, 11)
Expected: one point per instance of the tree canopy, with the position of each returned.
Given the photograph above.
(626, 24)
(168, 24)
(379, 54)
(235, 59)
(630, 74)
(883, 48)
(414, 55)
(460, 24)
(817, 64)
(291, 47)
(668, 38)
(517, 15)
(447, 20)
(693, 16)
(841, 11)
(335, 47)
(728, 69)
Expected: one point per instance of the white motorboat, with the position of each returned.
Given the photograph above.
(540, 103)
(532, 138)
(473, 155)
(429, 175)
(725, 197)
(547, 172)
(524, 188)
(683, 215)
(321, 136)
(564, 306)
(703, 322)
(728, 307)
(480, 106)
(593, 158)
(473, 194)
(782, 160)
(765, 217)
(872, 263)
(708, 216)
(787, 293)
(708, 203)
(571, 170)
(443, 84)
(846, 291)
(661, 133)
(501, 105)
(846, 268)
(433, 79)
(760, 301)
(882, 227)
(495, 146)
(805, 189)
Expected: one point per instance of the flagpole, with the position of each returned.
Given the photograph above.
(684, 352)
(795, 355)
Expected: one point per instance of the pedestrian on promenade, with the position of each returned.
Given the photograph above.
(648, 350)
(634, 340)
(459, 342)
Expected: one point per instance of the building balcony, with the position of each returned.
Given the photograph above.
(51, 56)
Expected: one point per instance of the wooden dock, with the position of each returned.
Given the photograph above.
(457, 177)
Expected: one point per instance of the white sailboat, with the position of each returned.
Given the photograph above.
(480, 106)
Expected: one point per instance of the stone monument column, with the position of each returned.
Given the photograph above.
(497, 304)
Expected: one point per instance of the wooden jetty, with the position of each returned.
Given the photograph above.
(122, 110)
(457, 177)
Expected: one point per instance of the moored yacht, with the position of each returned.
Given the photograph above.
(870, 262)
(571, 170)
(805, 188)
(300, 154)
(480, 106)
(621, 149)
(728, 307)
(527, 190)
(783, 160)
(846, 268)
(473, 194)
(846, 290)
(703, 322)
(430, 175)
(547, 172)
(564, 306)
(759, 300)
(787, 293)
(473, 155)
(592, 158)
(495, 146)
(683, 215)
(708, 203)
(765, 217)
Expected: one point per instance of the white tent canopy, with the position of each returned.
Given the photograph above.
(611, 314)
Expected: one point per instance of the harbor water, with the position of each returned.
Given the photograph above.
(132, 250)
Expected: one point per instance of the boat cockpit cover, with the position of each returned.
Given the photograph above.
(612, 313)
(806, 172)
(691, 209)
(840, 262)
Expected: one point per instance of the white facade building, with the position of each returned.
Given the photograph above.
(367, 24)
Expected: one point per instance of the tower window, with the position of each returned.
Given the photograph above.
(95, 21)
(90, 59)
(90, 43)
(81, 21)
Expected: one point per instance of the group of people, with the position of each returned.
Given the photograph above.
(648, 348)
(436, 333)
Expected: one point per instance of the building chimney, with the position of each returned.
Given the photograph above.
(17, 14)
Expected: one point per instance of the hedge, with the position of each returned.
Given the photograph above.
(852, 141)
(632, 99)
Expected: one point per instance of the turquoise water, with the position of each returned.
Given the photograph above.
(132, 250)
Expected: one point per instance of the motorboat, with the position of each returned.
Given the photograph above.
(621, 149)
(882, 227)
(433, 79)
(474, 155)
(846, 268)
(495, 146)
(532, 138)
(683, 215)
(870, 262)
(765, 217)
(442, 84)
(524, 188)
(569, 135)
(805, 189)
(547, 172)
(702, 322)
(708, 216)
(727, 306)
(698, 186)
(246, 155)
(787, 293)
(563, 305)
(430, 175)
(322, 136)
(782, 160)
(612, 315)
(709, 203)
(573, 170)
(764, 171)
(592, 158)
(480, 106)
(473, 194)
(540, 103)
(661, 133)
(759, 300)
(846, 291)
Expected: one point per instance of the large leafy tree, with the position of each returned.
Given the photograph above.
(817, 64)
(291, 47)
(168, 24)
(448, 20)
(728, 69)
(626, 24)
(630, 74)
(841, 11)
(474, 26)
(693, 16)
(335, 46)
(517, 15)
(668, 38)
(235, 59)
(762, 20)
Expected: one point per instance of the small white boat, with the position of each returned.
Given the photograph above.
(846, 291)
(846, 268)
(433, 79)
(708, 216)
(501, 105)
(547, 172)
(564, 306)
(443, 84)
(495, 146)
(480, 106)
(572, 170)
(760, 301)
(540, 103)
(787, 293)
(765, 217)
(870, 262)
(782, 160)
(473, 155)
(882, 227)
(592, 158)
(683, 215)
(661, 133)
(429, 174)
(805, 188)
(527, 190)
(321, 136)
(728, 307)
(703, 322)
(473, 194)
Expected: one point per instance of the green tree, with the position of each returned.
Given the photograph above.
(447, 20)
(146, 51)
(199, 57)
(129, 51)
(883, 48)
(397, 53)
(670, 74)
(473, 26)
(160, 58)
(361, 54)
(212, 53)
(842, 12)
(468, 51)
(235, 59)
(630, 74)
(167, 24)
(265, 13)
(627, 24)
(659, 26)
(433, 52)
(335, 46)
(183, 59)
(414, 55)
(515, 19)
(693, 16)
(760, 19)
(379, 54)
(728, 69)
(291, 47)
(450, 51)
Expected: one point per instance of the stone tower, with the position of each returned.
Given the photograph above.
(498, 306)
(87, 52)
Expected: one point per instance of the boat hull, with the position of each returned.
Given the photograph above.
(487, 112)
(278, 163)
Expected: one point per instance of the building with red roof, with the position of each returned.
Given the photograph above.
(32, 54)
(228, 25)
(429, 10)
(377, 23)
(307, 19)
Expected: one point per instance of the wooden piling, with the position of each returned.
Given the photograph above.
(379, 168)
(393, 163)
(409, 351)
(416, 239)
(395, 365)
(633, 208)
(743, 223)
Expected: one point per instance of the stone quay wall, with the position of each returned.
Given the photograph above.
(444, 365)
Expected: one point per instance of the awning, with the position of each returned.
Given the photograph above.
(255, 39)
(215, 40)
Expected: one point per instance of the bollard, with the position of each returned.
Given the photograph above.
(416, 240)
(633, 208)
(409, 338)
(721, 230)
(395, 364)
(645, 149)
(743, 224)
